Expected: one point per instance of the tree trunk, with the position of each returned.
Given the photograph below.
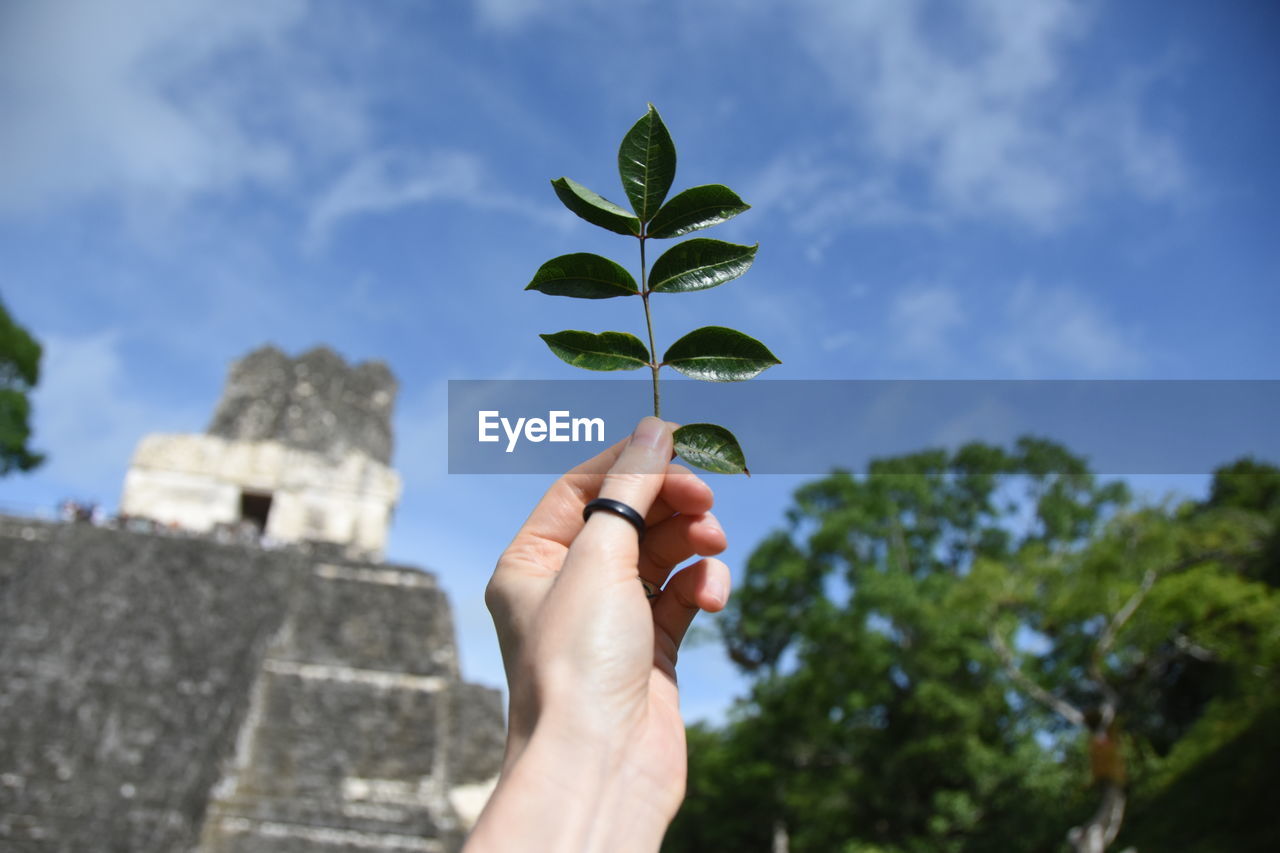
(781, 841)
(1096, 835)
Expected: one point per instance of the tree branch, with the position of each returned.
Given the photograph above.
(1118, 621)
(1125, 613)
(1101, 830)
(1061, 707)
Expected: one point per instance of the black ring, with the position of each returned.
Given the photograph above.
(617, 508)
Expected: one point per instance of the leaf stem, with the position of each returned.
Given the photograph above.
(648, 320)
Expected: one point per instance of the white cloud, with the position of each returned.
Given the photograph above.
(158, 100)
(509, 14)
(1059, 330)
(816, 194)
(837, 341)
(388, 180)
(921, 322)
(1028, 331)
(1152, 163)
(89, 418)
(982, 101)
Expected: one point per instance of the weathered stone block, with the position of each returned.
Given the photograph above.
(161, 693)
(314, 402)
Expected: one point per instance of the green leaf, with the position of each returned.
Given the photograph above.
(583, 275)
(710, 447)
(605, 351)
(647, 164)
(696, 207)
(717, 354)
(594, 208)
(698, 264)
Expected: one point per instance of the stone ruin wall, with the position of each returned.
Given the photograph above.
(163, 693)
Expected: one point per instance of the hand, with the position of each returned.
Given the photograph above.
(594, 722)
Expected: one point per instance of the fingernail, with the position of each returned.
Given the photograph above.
(649, 433)
(715, 589)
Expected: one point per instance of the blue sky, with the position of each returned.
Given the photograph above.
(995, 189)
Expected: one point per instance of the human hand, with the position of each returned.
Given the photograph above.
(594, 712)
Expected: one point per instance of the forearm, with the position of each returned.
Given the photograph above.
(567, 794)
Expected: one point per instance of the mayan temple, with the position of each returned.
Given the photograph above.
(229, 666)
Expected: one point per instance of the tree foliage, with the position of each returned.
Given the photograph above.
(19, 374)
(979, 650)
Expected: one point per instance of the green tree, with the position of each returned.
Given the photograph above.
(934, 647)
(19, 374)
(1251, 487)
(1144, 636)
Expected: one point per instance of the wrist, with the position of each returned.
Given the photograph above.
(570, 791)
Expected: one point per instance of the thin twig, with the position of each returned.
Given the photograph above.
(1125, 613)
(1118, 621)
(1061, 707)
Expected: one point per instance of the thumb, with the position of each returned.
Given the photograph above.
(608, 546)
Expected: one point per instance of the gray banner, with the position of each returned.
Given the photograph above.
(810, 427)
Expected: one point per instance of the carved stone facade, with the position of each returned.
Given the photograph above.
(203, 482)
(298, 448)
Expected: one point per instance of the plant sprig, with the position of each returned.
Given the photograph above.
(647, 166)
